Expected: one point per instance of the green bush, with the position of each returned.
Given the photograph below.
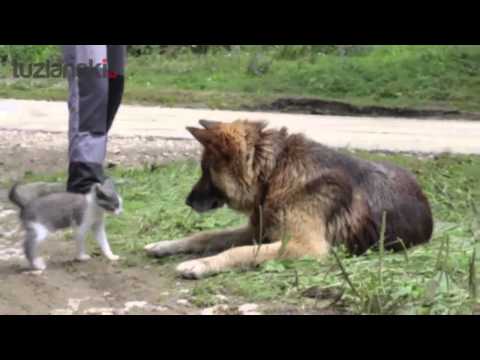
(394, 75)
(173, 50)
(38, 53)
(28, 53)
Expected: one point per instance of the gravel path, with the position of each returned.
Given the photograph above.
(368, 133)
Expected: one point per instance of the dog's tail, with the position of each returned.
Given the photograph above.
(14, 198)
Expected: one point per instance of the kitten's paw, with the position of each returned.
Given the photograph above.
(161, 248)
(193, 269)
(83, 257)
(38, 264)
(113, 257)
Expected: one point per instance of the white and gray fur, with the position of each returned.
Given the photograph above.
(62, 210)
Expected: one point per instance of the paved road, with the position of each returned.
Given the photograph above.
(367, 133)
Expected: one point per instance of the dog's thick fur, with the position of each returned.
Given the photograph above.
(300, 196)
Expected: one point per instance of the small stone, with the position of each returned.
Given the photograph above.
(252, 313)
(11, 252)
(247, 308)
(208, 311)
(10, 234)
(215, 310)
(61, 312)
(159, 308)
(74, 304)
(99, 311)
(34, 272)
(221, 297)
(6, 213)
(184, 291)
(183, 302)
(134, 304)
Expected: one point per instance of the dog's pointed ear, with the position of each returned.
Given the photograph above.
(213, 141)
(261, 125)
(208, 124)
(202, 135)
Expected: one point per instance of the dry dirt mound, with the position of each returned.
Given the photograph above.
(326, 107)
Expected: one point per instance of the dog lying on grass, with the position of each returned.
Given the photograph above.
(301, 198)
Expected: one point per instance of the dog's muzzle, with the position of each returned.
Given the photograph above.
(202, 202)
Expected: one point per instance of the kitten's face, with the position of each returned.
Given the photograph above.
(107, 198)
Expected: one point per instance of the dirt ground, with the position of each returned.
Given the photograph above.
(67, 287)
(98, 286)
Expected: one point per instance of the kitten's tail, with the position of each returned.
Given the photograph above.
(14, 198)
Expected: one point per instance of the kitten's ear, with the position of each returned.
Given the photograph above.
(108, 184)
(97, 188)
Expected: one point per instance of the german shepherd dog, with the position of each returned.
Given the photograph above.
(301, 198)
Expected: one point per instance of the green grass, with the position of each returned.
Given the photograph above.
(438, 278)
(411, 76)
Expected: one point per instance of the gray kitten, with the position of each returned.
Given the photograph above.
(62, 210)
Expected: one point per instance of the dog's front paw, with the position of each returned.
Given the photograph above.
(161, 248)
(193, 269)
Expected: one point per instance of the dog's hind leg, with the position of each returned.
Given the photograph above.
(208, 241)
